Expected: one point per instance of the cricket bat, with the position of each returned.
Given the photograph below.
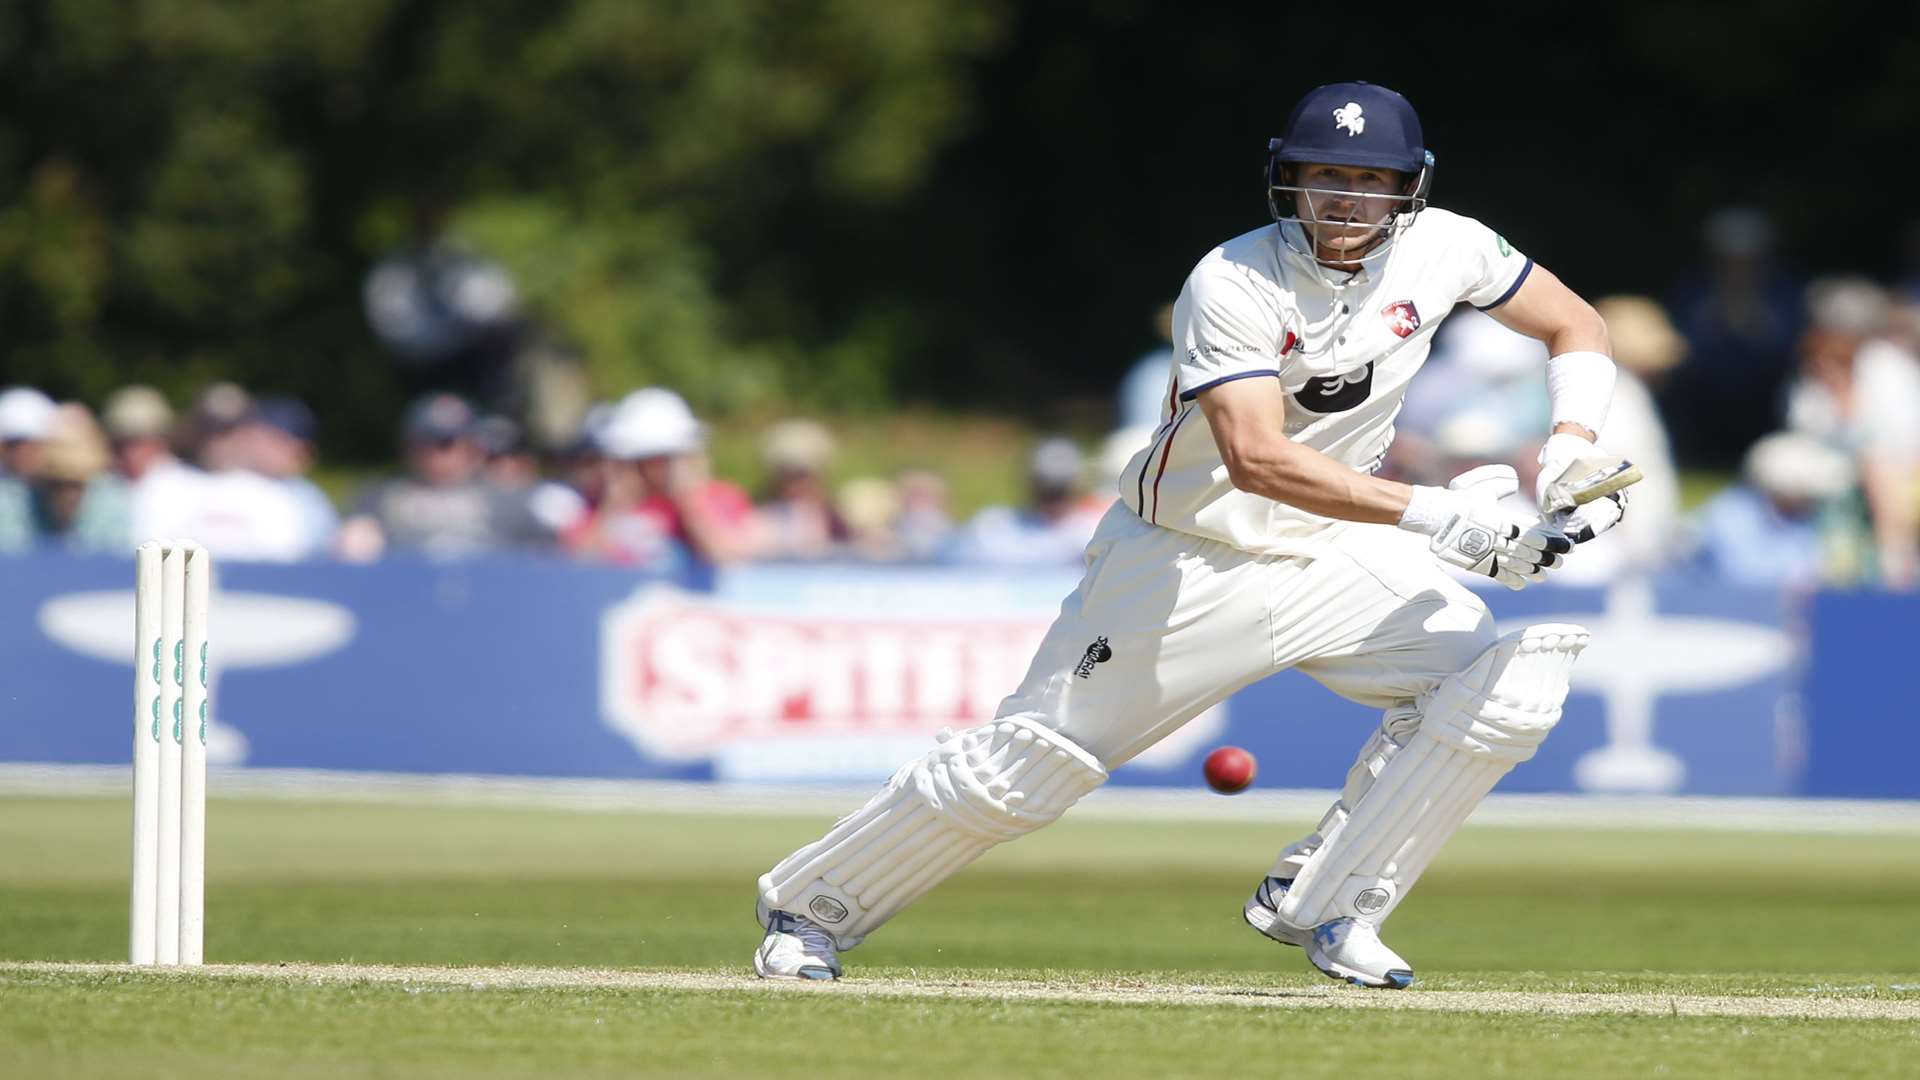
(1593, 477)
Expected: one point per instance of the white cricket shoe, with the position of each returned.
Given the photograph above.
(1263, 913)
(1349, 949)
(795, 948)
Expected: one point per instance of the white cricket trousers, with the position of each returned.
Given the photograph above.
(1165, 624)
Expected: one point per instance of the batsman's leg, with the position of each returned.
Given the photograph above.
(972, 791)
(1407, 797)
(1126, 662)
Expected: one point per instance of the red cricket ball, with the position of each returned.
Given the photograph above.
(1230, 770)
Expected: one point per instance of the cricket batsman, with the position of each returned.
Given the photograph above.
(1251, 536)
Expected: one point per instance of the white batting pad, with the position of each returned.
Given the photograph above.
(937, 814)
(1475, 727)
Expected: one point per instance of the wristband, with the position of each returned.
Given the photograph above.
(1580, 387)
(1429, 510)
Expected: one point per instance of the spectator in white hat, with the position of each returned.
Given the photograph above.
(26, 419)
(26, 415)
(1773, 528)
(658, 504)
(70, 501)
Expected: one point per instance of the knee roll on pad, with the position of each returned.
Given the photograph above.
(939, 813)
(1475, 727)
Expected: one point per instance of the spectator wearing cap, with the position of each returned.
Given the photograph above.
(222, 500)
(581, 465)
(281, 435)
(139, 424)
(214, 438)
(78, 504)
(797, 517)
(443, 507)
(1781, 525)
(1054, 526)
(511, 465)
(658, 504)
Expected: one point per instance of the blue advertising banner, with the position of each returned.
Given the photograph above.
(529, 666)
(1863, 696)
(486, 666)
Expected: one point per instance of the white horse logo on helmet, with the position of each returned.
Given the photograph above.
(1348, 116)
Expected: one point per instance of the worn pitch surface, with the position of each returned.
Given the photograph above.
(1816, 1005)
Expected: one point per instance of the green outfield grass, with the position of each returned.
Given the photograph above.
(1101, 901)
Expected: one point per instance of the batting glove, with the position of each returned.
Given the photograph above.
(1470, 530)
(1583, 523)
(1556, 454)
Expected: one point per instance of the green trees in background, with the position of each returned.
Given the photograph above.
(193, 189)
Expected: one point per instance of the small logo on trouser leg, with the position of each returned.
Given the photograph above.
(1097, 653)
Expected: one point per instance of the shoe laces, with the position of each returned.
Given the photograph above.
(813, 939)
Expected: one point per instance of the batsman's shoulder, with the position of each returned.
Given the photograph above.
(1442, 225)
(1242, 265)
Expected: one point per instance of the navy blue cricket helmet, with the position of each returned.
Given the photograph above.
(1355, 124)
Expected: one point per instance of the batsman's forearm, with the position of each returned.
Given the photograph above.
(1285, 471)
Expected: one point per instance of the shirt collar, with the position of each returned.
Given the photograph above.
(1294, 245)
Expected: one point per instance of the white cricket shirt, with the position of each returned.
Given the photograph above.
(1256, 308)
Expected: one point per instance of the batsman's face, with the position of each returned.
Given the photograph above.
(1347, 204)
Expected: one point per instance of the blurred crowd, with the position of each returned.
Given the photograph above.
(1810, 389)
(634, 487)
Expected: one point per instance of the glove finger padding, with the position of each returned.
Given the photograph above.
(1538, 540)
(1583, 523)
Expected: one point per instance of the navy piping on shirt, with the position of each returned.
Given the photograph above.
(1140, 489)
(1166, 451)
(1511, 289)
(1189, 395)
